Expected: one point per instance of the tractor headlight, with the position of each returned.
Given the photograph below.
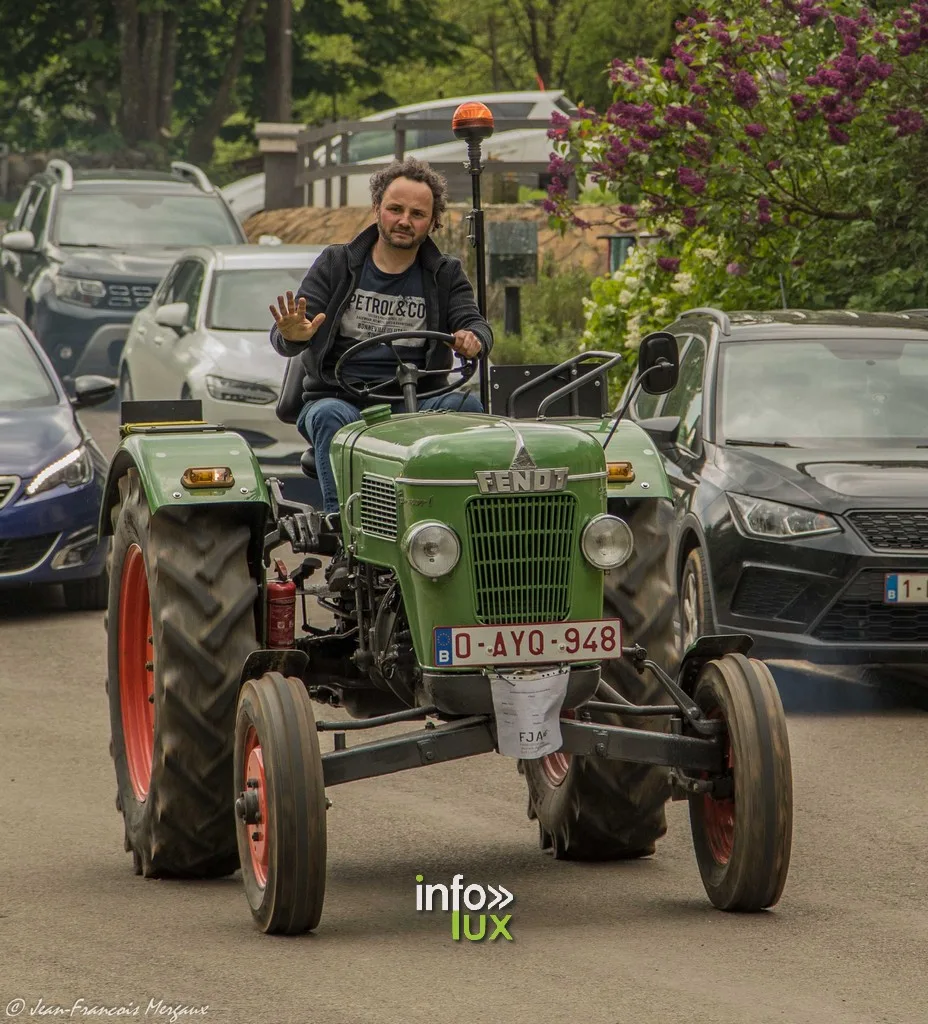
(433, 549)
(607, 542)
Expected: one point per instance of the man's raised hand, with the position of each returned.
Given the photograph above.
(292, 321)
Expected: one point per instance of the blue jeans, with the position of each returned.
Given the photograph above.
(319, 421)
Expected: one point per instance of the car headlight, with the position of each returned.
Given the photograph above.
(771, 519)
(225, 389)
(81, 290)
(433, 549)
(607, 542)
(73, 469)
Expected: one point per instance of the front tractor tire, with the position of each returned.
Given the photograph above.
(742, 834)
(590, 808)
(180, 624)
(281, 806)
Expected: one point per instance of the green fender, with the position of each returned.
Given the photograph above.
(161, 459)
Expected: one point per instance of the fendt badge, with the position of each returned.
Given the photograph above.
(515, 481)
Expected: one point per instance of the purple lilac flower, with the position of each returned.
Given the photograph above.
(736, 269)
(669, 263)
(755, 130)
(809, 13)
(669, 71)
(771, 42)
(838, 135)
(627, 210)
(549, 206)
(906, 122)
(774, 165)
(680, 114)
(690, 180)
(745, 89)
(640, 146)
(689, 217)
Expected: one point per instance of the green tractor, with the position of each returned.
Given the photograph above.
(508, 588)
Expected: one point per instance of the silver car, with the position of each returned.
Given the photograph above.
(204, 335)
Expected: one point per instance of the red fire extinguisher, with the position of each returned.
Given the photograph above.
(281, 609)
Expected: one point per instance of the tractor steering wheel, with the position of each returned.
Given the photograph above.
(407, 375)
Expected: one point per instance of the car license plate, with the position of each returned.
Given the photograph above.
(550, 642)
(906, 588)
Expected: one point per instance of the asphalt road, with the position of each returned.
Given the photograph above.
(598, 944)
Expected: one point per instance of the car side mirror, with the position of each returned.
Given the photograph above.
(18, 241)
(174, 314)
(663, 430)
(91, 389)
(658, 363)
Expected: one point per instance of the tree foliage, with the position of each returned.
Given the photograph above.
(779, 153)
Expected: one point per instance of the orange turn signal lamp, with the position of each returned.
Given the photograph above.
(207, 476)
(619, 472)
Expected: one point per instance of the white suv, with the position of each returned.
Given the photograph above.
(438, 145)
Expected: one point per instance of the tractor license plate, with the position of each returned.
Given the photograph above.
(550, 642)
(909, 588)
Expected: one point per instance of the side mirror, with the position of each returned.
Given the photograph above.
(663, 430)
(18, 241)
(658, 363)
(174, 314)
(90, 390)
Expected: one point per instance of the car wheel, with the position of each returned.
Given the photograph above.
(695, 602)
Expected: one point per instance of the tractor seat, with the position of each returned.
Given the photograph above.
(308, 464)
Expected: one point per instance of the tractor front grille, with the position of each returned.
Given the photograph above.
(23, 553)
(8, 485)
(902, 530)
(378, 506)
(523, 548)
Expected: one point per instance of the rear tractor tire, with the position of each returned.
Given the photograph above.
(590, 808)
(180, 624)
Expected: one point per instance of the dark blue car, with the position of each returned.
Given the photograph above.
(51, 474)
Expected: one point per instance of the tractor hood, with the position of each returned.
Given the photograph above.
(448, 446)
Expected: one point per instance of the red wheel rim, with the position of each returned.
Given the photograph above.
(719, 815)
(557, 765)
(136, 674)
(256, 781)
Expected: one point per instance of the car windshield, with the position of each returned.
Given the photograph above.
(814, 392)
(240, 298)
(24, 382)
(117, 221)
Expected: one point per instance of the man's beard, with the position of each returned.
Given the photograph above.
(399, 240)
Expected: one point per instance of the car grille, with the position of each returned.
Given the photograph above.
(8, 485)
(523, 549)
(129, 296)
(860, 616)
(902, 530)
(20, 554)
(378, 506)
(768, 594)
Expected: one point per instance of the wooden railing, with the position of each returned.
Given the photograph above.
(333, 140)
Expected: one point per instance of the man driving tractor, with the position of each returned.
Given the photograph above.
(392, 277)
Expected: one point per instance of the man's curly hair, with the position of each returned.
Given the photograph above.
(415, 170)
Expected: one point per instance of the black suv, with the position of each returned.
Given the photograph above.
(796, 442)
(85, 250)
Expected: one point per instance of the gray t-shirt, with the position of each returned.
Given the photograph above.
(381, 304)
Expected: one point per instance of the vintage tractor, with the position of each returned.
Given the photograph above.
(504, 582)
